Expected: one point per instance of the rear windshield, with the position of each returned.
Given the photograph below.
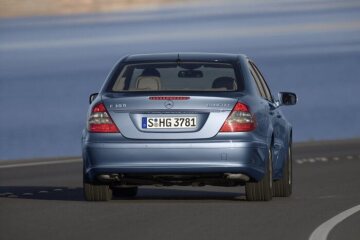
(176, 77)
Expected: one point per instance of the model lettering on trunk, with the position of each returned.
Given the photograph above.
(223, 105)
(118, 105)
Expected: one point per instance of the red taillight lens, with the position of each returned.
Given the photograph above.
(100, 120)
(239, 120)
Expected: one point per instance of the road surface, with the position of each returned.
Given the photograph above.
(43, 200)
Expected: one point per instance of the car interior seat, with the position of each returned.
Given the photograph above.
(149, 80)
(224, 83)
(151, 83)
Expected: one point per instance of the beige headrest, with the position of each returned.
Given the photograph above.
(151, 83)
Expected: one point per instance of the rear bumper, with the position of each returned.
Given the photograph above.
(175, 158)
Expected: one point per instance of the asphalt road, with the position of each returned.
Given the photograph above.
(44, 201)
(50, 65)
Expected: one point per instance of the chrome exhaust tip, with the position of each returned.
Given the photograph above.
(107, 177)
(237, 176)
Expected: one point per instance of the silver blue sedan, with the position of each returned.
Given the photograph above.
(188, 119)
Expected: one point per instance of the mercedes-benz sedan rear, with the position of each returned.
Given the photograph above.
(187, 119)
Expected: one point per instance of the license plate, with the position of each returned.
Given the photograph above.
(169, 122)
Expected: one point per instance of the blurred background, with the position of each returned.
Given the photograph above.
(53, 54)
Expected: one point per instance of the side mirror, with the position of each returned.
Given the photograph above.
(287, 98)
(92, 97)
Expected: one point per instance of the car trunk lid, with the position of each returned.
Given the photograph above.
(137, 114)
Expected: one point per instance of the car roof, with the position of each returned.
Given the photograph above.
(184, 56)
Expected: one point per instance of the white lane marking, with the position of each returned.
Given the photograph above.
(325, 159)
(5, 194)
(30, 164)
(300, 161)
(27, 194)
(322, 232)
(57, 190)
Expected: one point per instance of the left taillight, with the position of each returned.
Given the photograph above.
(100, 120)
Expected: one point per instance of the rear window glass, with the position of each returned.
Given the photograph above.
(176, 77)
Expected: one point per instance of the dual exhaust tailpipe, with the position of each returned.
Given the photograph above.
(108, 177)
(237, 177)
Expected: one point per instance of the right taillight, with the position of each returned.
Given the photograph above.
(239, 120)
(100, 120)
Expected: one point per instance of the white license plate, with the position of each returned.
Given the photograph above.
(169, 122)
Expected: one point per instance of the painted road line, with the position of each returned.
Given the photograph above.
(322, 232)
(324, 159)
(27, 194)
(15, 165)
(299, 161)
(5, 194)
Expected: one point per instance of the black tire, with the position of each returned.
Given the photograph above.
(262, 190)
(94, 192)
(125, 191)
(283, 187)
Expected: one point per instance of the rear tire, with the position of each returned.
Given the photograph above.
(283, 187)
(125, 191)
(262, 190)
(94, 192)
